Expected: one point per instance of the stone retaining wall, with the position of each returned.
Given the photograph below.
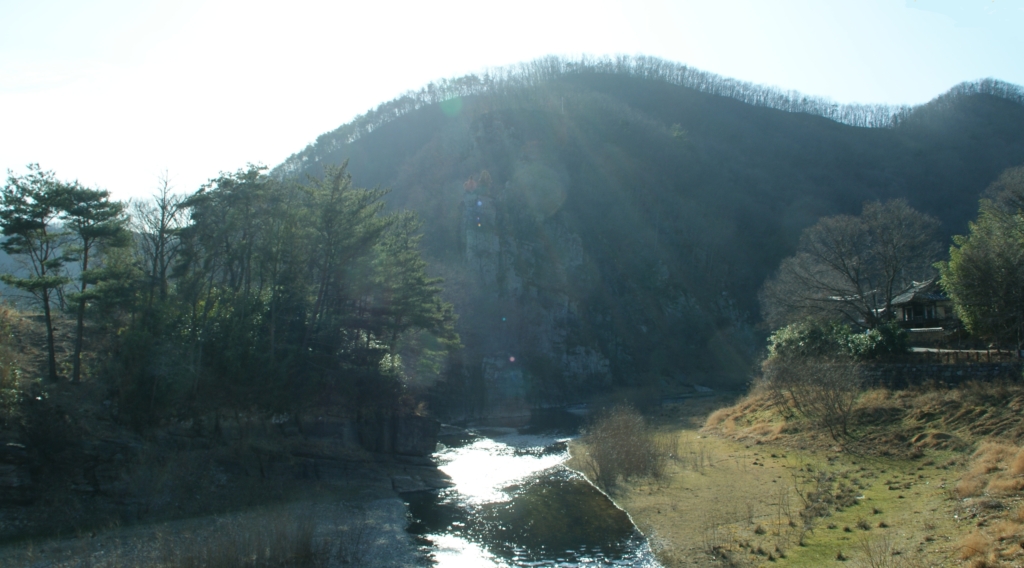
(902, 375)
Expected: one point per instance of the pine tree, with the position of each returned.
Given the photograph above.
(91, 220)
(31, 206)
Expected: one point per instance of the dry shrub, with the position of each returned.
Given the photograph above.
(883, 552)
(720, 417)
(991, 455)
(1002, 485)
(695, 456)
(766, 432)
(256, 542)
(1017, 467)
(822, 390)
(668, 444)
(1005, 529)
(991, 470)
(974, 544)
(876, 398)
(1018, 514)
(620, 444)
(970, 486)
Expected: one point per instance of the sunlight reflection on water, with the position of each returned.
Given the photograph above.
(482, 469)
(514, 504)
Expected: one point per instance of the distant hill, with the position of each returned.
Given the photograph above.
(609, 222)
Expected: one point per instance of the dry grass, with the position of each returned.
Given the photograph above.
(1017, 466)
(12, 381)
(970, 487)
(310, 536)
(885, 552)
(991, 456)
(916, 492)
(992, 472)
(1004, 486)
(974, 544)
(718, 418)
(989, 493)
(263, 542)
(876, 398)
(1005, 530)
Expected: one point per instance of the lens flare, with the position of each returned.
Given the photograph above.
(451, 107)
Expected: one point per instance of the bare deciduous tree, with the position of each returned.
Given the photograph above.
(156, 222)
(851, 268)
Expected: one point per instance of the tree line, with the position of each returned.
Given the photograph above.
(250, 294)
(508, 80)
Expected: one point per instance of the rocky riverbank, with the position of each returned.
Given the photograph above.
(366, 533)
(74, 469)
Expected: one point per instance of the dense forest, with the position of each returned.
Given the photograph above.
(249, 296)
(610, 221)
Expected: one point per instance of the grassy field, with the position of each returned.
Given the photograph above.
(931, 477)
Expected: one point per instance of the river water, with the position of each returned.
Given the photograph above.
(515, 504)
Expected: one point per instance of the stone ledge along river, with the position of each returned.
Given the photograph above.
(513, 503)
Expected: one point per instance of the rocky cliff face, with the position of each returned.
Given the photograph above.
(559, 293)
(522, 291)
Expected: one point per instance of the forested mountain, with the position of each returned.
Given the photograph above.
(603, 222)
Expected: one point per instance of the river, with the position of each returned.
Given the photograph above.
(514, 503)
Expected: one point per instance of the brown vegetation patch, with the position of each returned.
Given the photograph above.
(988, 494)
(974, 544)
(937, 441)
(1017, 466)
(888, 422)
(969, 487)
(1005, 486)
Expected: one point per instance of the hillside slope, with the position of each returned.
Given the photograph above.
(603, 227)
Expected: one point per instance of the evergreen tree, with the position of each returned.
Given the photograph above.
(92, 220)
(985, 272)
(405, 297)
(30, 209)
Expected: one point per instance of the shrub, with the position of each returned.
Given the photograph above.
(620, 444)
(832, 339)
(821, 389)
(974, 544)
(813, 368)
(809, 338)
(882, 341)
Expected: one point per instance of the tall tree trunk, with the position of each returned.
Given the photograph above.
(76, 373)
(51, 352)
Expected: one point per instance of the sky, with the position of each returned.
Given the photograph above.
(117, 93)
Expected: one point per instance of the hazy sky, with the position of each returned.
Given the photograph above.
(114, 92)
